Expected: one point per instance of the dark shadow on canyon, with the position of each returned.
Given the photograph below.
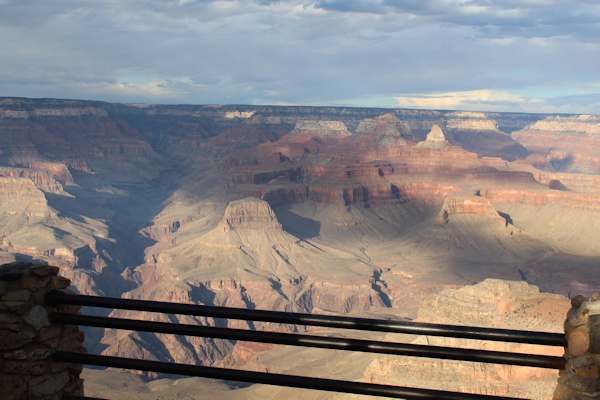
(297, 225)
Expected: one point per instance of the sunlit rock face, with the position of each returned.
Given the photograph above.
(435, 138)
(249, 213)
(491, 303)
(312, 209)
(563, 143)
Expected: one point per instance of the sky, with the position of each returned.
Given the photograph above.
(490, 55)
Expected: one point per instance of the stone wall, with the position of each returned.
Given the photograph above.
(580, 380)
(27, 339)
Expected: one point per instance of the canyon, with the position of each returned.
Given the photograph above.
(487, 219)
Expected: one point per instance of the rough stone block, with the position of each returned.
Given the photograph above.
(75, 387)
(590, 372)
(44, 270)
(59, 282)
(27, 337)
(8, 318)
(47, 385)
(578, 341)
(51, 333)
(577, 301)
(37, 317)
(26, 367)
(6, 328)
(13, 387)
(68, 308)
(18, 307)
(16, 296)
(575, 318)
(594, 326)
(33, 282)
(15, 340)
(16, 355)
(38, 353)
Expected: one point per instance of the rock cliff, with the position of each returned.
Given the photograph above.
(315, 209)
(493, 303)
(435, 138)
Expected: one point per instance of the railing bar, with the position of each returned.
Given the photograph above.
(330, 321)
(323, 342)
(331, 385)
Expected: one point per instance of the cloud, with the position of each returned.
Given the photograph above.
(494, 18)
(458, 100)
(330, 52)
(497, 100)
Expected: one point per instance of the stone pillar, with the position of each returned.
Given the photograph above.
(580, 380)
(27, 338)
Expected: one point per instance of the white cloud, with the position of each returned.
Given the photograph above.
(431, 53)
(503, 100)
(460, 100)
(149, 89)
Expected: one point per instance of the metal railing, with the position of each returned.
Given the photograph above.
(325, 342)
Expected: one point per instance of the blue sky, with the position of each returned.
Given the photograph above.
(504, 55)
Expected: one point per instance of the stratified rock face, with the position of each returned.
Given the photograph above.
(435, 139)
(492, 303)
(20, 197)
(473, 124)
(249, 213)
(67, 112)
(563, 143)
(58, 170)
(238, 114)
(41, 178)
(471, 205)
(582, 123)
(322, 128)
(387, 127)
(497, 303)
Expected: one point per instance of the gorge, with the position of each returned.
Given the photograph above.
(417, 214)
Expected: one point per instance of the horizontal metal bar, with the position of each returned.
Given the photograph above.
(330, 385)
(330, 321)
(322, 342)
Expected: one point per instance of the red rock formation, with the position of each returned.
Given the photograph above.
(493, 303)
(42, 179)
(249, 213)
(152, 183)
(476, 205)
(563, 143)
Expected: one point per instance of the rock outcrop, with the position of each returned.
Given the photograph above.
(321, 128)
(249, 213)
(19, 197)
(435, 139)
(42, 179)
(470, 205)
(493, 303)
(568, 144)
(480, 123)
